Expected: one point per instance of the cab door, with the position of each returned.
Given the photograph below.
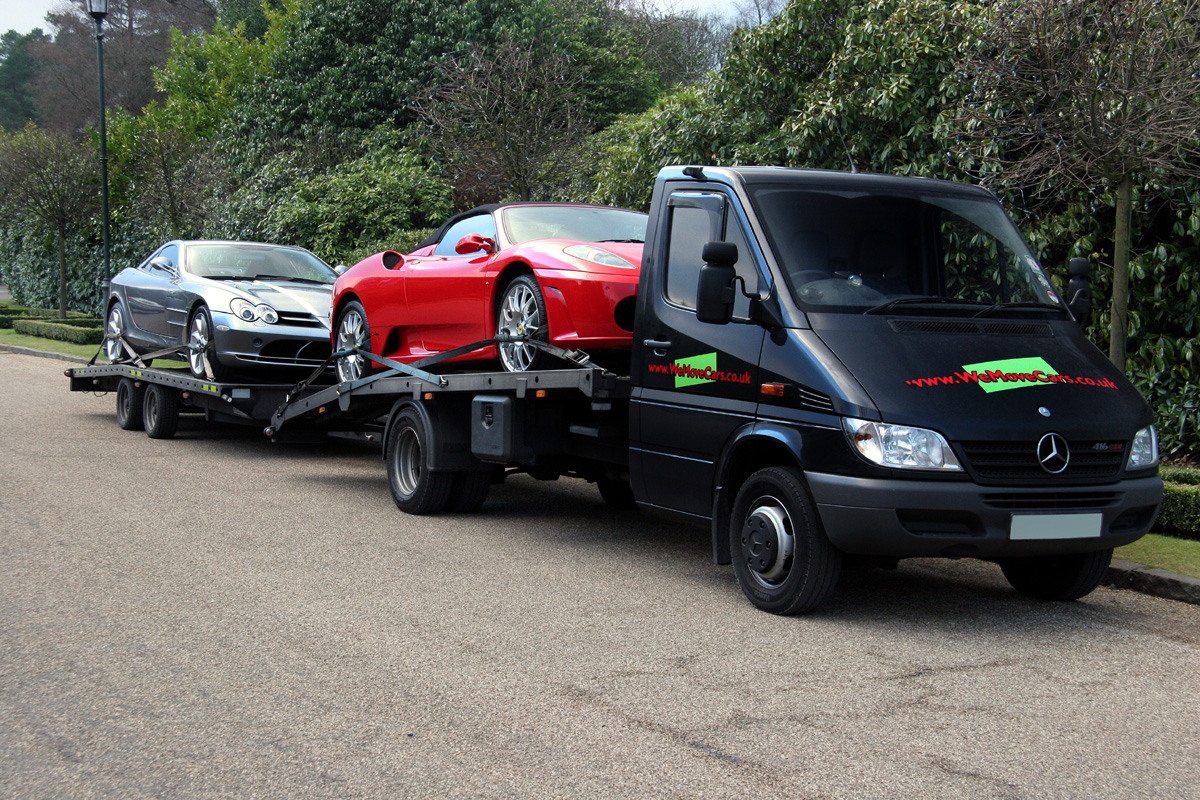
(698, 381)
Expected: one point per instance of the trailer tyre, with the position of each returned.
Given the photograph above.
(416, 489)
(1062, 577)
(783, 561)
(130, 399)
(160, 411)
(468, 492)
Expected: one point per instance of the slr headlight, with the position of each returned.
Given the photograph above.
(242, 309)
(597, 256)
(248, 312)
(900, 446)
(1144, 452)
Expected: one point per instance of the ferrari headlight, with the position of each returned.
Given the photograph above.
(900, 446)
(243, 309)
(1144, 452)
(597, 256)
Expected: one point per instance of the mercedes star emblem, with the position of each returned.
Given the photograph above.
(1053, 453)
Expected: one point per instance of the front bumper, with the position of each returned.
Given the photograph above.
(913, 518)
(243, 344)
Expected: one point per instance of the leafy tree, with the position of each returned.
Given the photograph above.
(17, 73)
(1093, 91)
(49, 180)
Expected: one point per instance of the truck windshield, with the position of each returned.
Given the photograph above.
(854, 251)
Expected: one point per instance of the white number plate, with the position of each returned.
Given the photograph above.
(1056, 526)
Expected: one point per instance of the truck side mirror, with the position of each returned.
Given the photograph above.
(714, 291)
(1079, 291)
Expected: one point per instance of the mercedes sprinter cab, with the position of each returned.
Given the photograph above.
(848, 368)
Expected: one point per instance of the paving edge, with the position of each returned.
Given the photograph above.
(29, 351)
(1120, 575)
(1157, 582)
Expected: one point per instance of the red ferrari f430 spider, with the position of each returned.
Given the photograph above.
(563, 273)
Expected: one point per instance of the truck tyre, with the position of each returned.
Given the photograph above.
(129, 405)
(468, 492)
(1063, 577)
(415, 489)
(783, 561)
(618, 494)
(160, 411)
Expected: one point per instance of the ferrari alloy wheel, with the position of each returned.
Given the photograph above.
(352, 332)
(200, 339)
(522, 313)
(114, 329)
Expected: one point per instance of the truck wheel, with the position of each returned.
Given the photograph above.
(160, 412)
(783, 561)
(129, 404)
(468, 492)
(1065, 577)
(618, 494)
(415, 489)
(522, 312)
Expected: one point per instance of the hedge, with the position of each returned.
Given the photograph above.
(1187, 476)
(63, 330)
(10, 314)
(1180, 515)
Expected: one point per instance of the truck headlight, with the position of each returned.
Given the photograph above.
(900, 446)
(1144, 452)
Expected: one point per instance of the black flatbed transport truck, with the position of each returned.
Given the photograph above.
(829, 370)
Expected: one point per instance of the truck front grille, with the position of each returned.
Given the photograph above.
(1004, 462)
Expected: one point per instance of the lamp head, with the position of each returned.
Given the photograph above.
(98, 8)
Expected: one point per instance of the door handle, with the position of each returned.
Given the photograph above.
(656, 344)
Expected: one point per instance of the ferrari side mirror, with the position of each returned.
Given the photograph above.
(474, 243)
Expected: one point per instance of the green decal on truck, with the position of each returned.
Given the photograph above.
(697, 369)
(1010, 373)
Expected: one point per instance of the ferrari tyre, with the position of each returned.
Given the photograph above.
(200, 335)
(160, 411)
(1062, 577)
(468, 492)
(130, 399)
(522, 312)
(352, 330)
(783, 561)
(415, 488)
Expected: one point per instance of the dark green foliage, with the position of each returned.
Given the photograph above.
(1180, 515)
(63, 330)
(17, 74)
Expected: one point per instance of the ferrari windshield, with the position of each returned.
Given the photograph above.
(579, 223)
(256, 262)
(852, 251)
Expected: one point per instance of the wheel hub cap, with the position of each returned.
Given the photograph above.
(767, 542)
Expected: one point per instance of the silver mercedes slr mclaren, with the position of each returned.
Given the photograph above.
(235, 309)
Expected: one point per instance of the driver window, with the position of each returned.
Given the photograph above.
(690, 229)
(171, 253)
(483, 224)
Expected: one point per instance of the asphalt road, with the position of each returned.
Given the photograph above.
(219, 617)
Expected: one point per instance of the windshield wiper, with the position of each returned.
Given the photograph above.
(622, 241)
(932, 299)
(1020, 304)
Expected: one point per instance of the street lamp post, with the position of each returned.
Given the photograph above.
(99, 10)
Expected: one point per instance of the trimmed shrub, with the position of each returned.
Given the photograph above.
(63, 330)
(1180, 515)
(1187, 476)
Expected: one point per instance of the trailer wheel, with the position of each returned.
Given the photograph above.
(468, 491)
(130, 398)
(783, 561)
(1064, 577)
(415, 489)
(160, 411)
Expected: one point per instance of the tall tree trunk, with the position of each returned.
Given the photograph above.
(1120, 298)
(62, 272)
